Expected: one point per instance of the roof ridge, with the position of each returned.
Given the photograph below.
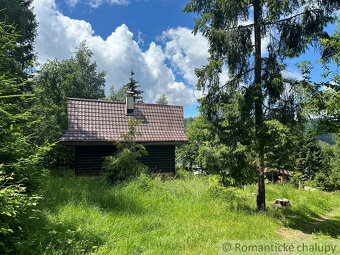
(119, 102)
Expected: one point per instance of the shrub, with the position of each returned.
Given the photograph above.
(184, 174)
(327, 183)
(20, 171)
(125, 165)
(233, 196)
(298, 178)
(15, 206)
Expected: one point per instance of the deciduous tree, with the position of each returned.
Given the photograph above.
(323, 98)
(74, 77)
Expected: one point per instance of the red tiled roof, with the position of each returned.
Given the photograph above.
(96, 121)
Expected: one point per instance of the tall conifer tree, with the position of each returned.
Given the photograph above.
(133, 86)
(309, 157)
(19, 13)
(236, 30)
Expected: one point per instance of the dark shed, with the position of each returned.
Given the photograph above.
(94, 124)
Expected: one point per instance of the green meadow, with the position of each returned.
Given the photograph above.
(152, 215)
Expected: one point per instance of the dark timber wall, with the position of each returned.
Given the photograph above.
(89, 159)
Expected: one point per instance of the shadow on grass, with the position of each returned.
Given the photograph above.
(308, 222)
(297, 219)
(57, 231)
(88, 191)
(46, 237)
(329, 227)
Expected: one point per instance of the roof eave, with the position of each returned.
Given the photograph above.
(107, 143)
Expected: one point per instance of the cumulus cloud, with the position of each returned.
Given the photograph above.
(183, 54)
(59, 36)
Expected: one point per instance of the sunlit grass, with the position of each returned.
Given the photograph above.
(154, 216)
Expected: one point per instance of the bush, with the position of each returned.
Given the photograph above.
(184, 174)
(15, 206)
(327, 183)
(233, 196)
(298, 178)
(125, 165)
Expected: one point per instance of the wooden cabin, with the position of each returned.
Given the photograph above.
(94, 124)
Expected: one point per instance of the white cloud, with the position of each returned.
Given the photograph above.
(186, 51)
(291, 73)
(59, 36)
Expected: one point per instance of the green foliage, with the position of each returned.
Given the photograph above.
(235, 165)
(327, 138)
(162, 100)
(118, 95)
(198, 132)
(20, 170)
(19, 14)
(184, 174)
(309, 157)
(125, 165)
(323, 98)
(329, 177)
(188, 122)
(298, 178)
(56, 81)
(235, 197)
(16, 206)
(133, 86)
(280, 145)
(17, 153)
(205, 150)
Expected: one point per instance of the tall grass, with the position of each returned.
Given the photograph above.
(150, 215)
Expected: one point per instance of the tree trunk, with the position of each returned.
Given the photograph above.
(261, 194)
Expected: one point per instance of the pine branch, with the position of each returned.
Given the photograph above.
(289, 18)
(239, 27)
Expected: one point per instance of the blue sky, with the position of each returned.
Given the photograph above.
(152, 37)
(149, 17)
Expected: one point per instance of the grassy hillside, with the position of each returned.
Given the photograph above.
(186, 215)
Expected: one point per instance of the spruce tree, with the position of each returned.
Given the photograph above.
(309, 158)
(256, 88)
(19, 13)
(162, 100)
(133, 86)
(118, 95)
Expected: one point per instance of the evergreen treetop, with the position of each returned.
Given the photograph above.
(162, 100)
(133, 86)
